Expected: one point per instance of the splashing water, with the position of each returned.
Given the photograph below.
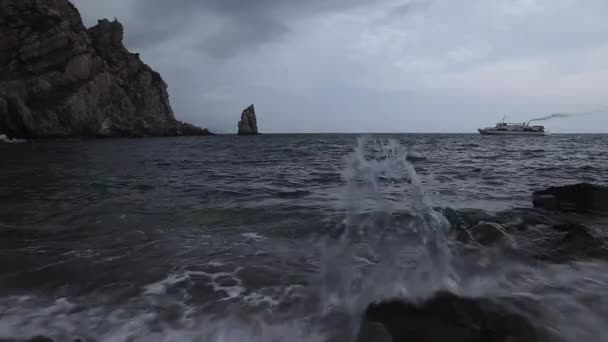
(572, 298)
(391, 243)
(390, 247)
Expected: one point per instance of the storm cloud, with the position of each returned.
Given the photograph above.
(372, 66)
(227, 27)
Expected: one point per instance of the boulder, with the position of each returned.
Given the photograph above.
(248, 124)
(531, 233)
(489, 233)
(576, 242)
(581, 197)
(447, 317)
(60, 80)
(465, 218)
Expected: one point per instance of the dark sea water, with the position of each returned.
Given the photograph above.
(274, 237)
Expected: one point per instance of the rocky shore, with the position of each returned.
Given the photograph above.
(567, 225)
(61, 80)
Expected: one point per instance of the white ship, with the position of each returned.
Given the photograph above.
(503, 128)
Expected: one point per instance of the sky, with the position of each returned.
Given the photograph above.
(373, 66)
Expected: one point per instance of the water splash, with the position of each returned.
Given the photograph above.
(393, 242)
(398, 247)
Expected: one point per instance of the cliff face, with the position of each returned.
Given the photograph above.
(58, 79)
(248, 124)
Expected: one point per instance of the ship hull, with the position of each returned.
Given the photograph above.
(494, 132)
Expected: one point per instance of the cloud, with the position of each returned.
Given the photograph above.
(223, 28)
(359, 65)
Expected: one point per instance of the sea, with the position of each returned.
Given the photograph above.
(273, 237)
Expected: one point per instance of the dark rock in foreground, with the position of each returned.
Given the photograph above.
(248, 124)
(447, 317)
(576, 243)
(60, 80)
(579, 197)
(538, 234)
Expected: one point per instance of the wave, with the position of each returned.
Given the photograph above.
(385, 247)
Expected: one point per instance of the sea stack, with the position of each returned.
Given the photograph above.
(60, 80)
(248, 124)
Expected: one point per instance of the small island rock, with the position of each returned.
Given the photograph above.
(248, 124)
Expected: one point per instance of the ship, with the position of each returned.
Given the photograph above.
(504, 128)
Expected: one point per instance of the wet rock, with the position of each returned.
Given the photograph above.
(248, 124)
(60, 80)
(578, 243)
(184, 128)
(447, 317)
(581, 197)
(531, 233)
(465, 218)
(488, 233)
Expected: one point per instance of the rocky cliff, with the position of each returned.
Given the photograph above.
(248, 124)
(58, 79)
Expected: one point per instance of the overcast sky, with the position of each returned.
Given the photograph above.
(373, 66)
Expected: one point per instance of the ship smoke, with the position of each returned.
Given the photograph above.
(567, 115)
(553, 116)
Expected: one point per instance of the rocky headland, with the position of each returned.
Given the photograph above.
(59, 79)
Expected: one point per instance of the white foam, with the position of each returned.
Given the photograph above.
(161, 287)
(254, 236)
(257, 299)
(363, 260)
(5, 139)
(215, 263)
(228, 291)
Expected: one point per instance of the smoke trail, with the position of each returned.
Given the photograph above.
(553, 116)
(567, 115)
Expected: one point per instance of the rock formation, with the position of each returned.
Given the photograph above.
(578, 197)
(58, 79)
(447, 317)
(248, 124)
(531, 233)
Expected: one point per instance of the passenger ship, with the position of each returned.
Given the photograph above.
(503, 128)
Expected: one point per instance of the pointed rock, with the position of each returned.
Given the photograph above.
(248, 124)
